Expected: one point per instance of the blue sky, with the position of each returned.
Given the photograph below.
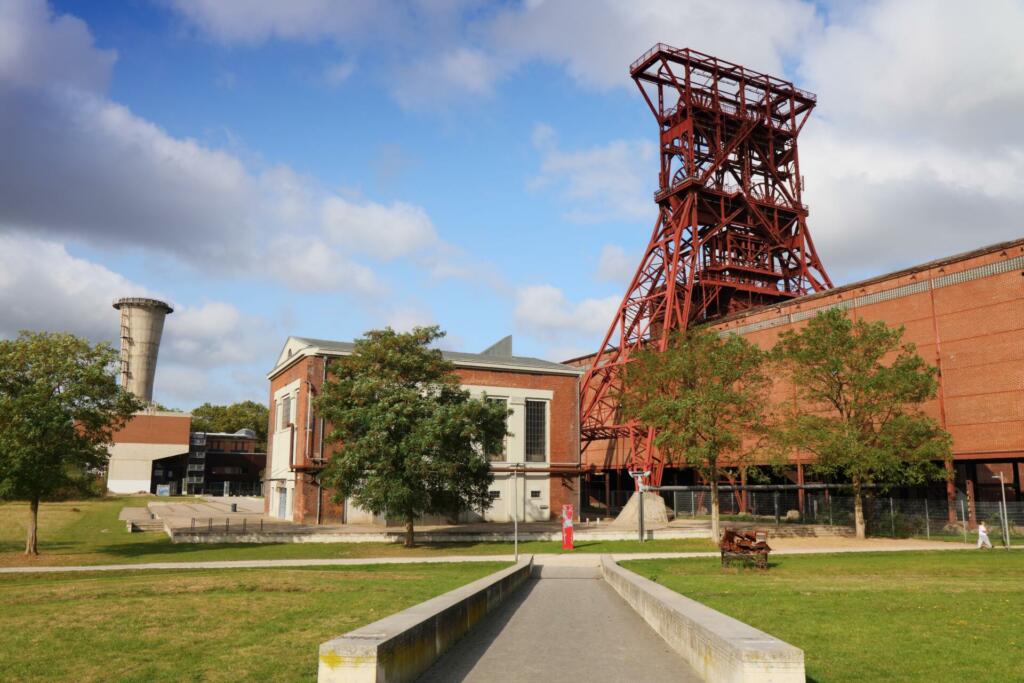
(321, 168)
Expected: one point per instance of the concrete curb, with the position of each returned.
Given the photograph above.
(182, 535)
(402, 646)
(718, 647)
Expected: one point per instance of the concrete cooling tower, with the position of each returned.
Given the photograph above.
(142, 324)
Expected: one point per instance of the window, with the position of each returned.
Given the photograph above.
(534, 494)
(500, 457)
(286, 411)
(536, 431)
(495, 495)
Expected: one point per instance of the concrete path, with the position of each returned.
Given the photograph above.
(792, 546)
(537, 636)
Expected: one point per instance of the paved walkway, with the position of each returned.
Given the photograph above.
(536, 635)
(789, 546)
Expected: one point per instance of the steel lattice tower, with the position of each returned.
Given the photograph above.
(731, 232)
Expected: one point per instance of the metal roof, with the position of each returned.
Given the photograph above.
(490, 361)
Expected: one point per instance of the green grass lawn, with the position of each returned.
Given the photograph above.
(914, 616)
(88, 532)
(200, 625)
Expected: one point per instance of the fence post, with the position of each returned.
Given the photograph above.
(261, 525)
(963, 513)
(209, 525)
(675, 503)
(892, 518)
(243, 525)
(776, 497)
(193, 527)
(693, 504)
(828, 503)
(927, 523)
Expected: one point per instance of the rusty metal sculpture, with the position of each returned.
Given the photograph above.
(748, 547)
(731, 232)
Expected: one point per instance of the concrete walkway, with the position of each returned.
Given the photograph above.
(789, 546)
(537, 634)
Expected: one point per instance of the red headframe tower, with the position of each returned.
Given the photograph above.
(731, 232)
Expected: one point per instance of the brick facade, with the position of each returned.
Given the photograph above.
(965, 315)
(309, 452)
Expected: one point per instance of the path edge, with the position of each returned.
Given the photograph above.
(718, 647)
(402, 646)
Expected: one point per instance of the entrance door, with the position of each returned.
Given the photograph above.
(282, 503)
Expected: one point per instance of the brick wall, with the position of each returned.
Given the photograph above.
(972, 330)
(564, 446)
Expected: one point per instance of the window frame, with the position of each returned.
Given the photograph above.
(546, 448)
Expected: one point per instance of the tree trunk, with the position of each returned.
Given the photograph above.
(714, 506)
(32, 542)
(858, 511)
(408, 532)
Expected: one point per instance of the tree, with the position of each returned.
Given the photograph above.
(231, 418)
(412, 442)
(857, 413)
(59, 407)
(704, 396)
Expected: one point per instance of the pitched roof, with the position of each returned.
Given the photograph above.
(493, 358)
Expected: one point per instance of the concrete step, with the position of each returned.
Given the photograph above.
(146, 525)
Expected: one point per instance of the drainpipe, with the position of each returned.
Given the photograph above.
(319, 497)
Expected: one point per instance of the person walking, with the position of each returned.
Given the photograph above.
(983, 541)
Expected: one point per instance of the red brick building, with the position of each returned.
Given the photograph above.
(964, 313)
(543, 425)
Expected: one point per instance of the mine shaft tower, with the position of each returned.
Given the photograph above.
(731, 232)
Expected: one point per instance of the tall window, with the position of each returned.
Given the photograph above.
(286, 411)
(536, 431)
(501, 455)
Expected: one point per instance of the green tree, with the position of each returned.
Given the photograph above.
(231, 418)
(59, 407)
(857, 405)
(705, 398)
(412, 442)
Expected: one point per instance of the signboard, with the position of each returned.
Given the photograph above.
(163, 489)
(567, 527)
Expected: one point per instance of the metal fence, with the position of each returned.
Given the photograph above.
(888, 516)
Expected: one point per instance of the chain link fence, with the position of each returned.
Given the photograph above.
(887, 516)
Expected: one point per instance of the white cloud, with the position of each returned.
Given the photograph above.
(336, 74)
(37, 46)
(255, 21)
(914, 151)
(383, 231)
(601, 183)
(43, 287)
(596, 40)
(615, 265)
(544, 311)
(312, 265)
(404, 318)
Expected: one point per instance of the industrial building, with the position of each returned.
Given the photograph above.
(965, 315)
(541, 397)
(157, 451)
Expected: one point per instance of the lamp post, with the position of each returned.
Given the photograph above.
(638, 476)
(1006, 520)
(516, 469)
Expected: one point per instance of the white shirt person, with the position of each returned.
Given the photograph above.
(983, 541)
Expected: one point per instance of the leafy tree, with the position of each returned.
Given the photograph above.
(231, 418)
(704, 396)
(857, 412)
(59, 407)
(412, 442)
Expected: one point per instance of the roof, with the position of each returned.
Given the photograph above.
(493, 358)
